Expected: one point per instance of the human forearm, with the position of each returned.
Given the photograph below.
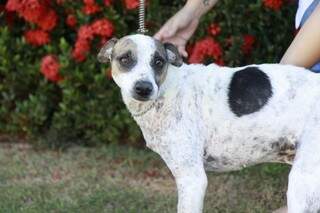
(200, 6)
(305, 49)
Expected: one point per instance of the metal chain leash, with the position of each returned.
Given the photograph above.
(142, 13)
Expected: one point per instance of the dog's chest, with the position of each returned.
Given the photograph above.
(171, 123)
(160, 122)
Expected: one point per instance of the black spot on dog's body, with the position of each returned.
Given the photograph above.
(249, 90)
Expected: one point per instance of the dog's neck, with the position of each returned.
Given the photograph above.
(140, 109)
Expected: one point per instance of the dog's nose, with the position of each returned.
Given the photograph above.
(143, 88)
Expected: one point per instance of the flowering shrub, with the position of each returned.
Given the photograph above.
(53, 89)
(50, 68)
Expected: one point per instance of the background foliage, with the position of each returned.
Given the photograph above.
(53, 89)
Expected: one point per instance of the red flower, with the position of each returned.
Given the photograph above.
(85, 32)
(107, 2)
(50, 68)
(90, 7)
(131, 4)
(71, 20)
(13, 5)
(248, 42)
(34, 11)
(37, 37)
(82, 45)
(48, 21)
(214, 29)
(102, 27)
(206, 47)
(80, 50)
(273, 4)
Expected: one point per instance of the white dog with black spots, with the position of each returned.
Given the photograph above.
(215, 118)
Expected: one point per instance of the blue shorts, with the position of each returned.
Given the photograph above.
(306, 15)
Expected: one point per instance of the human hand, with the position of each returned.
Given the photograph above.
(179, 29)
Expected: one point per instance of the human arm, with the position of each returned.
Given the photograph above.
(180, 27)
(304, 51)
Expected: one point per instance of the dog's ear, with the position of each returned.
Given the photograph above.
(105, 53)
(173, 54)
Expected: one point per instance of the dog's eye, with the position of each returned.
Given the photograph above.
(127, 60)
(159, 62)
(124, 59)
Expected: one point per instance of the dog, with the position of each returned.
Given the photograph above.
(210, 118)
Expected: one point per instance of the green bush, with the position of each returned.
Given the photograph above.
(84, 105)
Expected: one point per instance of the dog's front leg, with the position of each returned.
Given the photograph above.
(184, 159)
(191, 186)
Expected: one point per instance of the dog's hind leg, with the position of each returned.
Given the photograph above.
(304, 180)
(304, 191)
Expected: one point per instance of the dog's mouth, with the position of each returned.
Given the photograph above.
(141, 98)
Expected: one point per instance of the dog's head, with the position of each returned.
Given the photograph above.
(139, 64)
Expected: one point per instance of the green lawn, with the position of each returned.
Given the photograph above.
(119, 179)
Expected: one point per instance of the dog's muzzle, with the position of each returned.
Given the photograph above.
(143, 90)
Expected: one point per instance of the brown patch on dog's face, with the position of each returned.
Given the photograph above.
(124, 56)
(159, 63)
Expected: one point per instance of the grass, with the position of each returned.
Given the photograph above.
(119, 179)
